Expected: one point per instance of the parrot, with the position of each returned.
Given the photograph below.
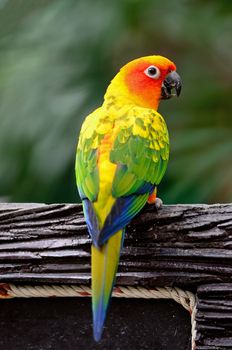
(121, 157)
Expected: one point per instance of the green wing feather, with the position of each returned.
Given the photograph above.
(95, 126)
(142, 147)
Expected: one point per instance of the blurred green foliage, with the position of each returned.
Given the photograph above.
(56, 60)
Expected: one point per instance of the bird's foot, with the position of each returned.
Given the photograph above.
(152, 199)
(158, 203)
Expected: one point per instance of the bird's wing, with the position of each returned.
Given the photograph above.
(139, 151)
(93, 130)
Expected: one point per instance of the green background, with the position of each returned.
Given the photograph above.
(56, 60)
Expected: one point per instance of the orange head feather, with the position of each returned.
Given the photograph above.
(140, 81)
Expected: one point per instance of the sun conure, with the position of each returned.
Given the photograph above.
(122, 155)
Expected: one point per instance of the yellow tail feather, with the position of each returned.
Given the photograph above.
(104, 267)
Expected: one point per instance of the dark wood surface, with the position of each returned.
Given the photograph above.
(180, 245)
(214, 317)
(188, 246)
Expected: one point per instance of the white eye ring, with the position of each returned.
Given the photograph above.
(152, 72)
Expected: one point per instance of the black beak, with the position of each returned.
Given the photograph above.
(172, 81)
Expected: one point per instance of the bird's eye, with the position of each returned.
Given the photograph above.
(152, 72)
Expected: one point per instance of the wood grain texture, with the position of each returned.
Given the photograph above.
(187, 246)
(183, 245)
(214, 317)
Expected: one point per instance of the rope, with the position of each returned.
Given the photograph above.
(185, 298)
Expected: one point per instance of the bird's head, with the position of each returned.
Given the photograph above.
(146, 80)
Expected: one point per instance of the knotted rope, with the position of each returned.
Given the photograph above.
(185, 298)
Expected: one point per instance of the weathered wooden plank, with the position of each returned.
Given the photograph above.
(187, 246)
(183, 245)
(214, 317)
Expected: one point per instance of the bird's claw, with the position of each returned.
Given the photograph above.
(158, 203)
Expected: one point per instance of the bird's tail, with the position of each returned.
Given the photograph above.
(104, 267)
